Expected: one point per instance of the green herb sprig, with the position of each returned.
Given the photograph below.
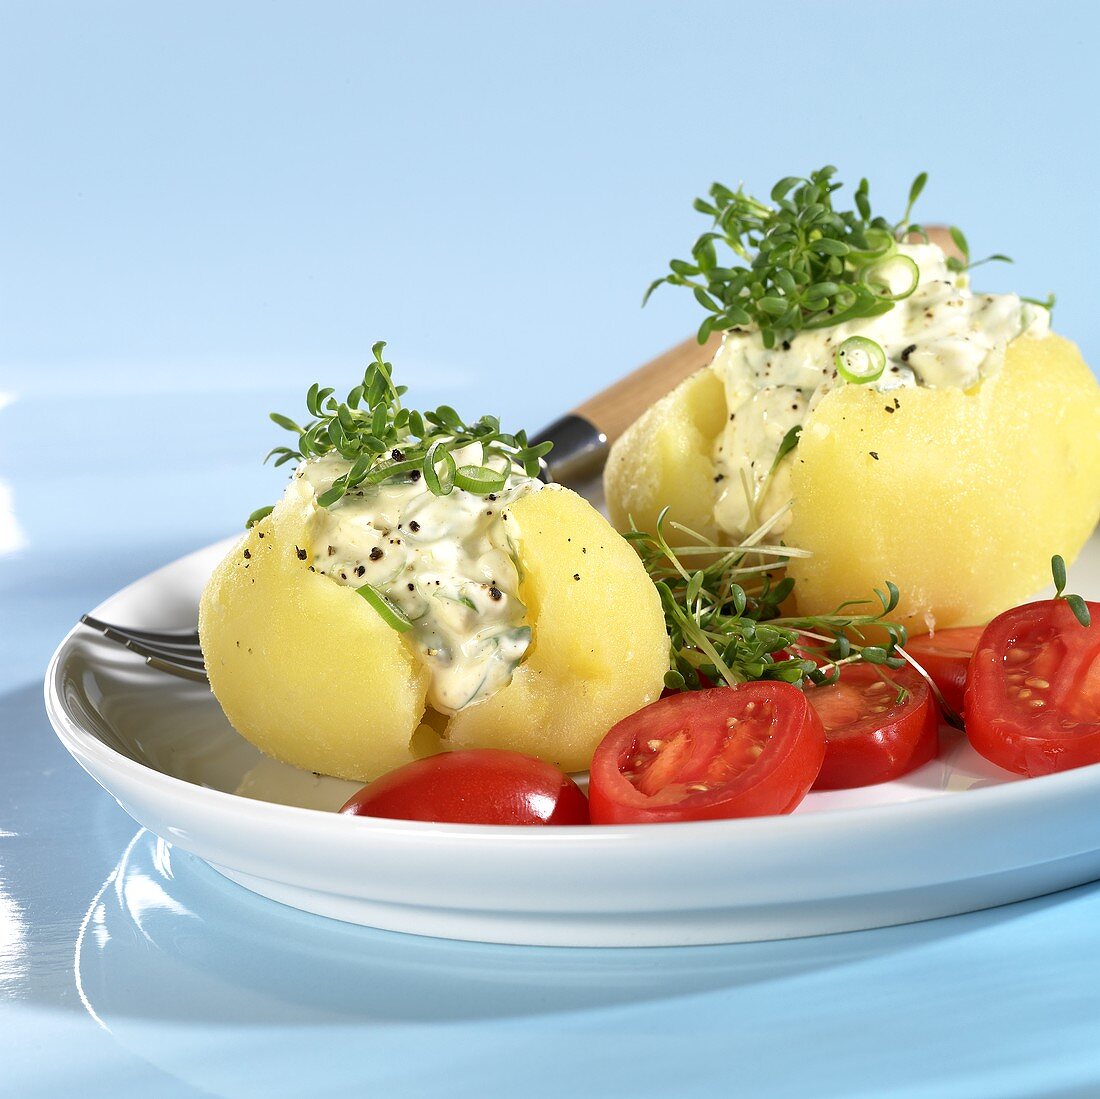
(1075, 603)
(386, 442)
(723, 612)
(800, 263)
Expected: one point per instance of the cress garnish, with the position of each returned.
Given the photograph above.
(1075, 603)
(799, 263)
(386, 442)
(725, 620)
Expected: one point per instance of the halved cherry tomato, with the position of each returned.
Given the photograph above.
(869, 736)
(945, 656)
(745, 751)
(1033, 693)
(474, 786)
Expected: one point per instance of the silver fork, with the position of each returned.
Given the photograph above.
(176, 652)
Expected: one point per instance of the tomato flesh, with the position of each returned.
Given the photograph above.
(474, 786)
(1033, 694)
(752, 750)
(870, 736)
(945, 656)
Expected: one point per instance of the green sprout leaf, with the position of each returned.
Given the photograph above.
(1075, 603)
(723, 608)
(385, 442)
(256, 516)
(799, 262)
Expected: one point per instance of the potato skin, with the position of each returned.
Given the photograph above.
(318, 680)
(303, 667)
(599, 650)
(969, 496)
(666, 457)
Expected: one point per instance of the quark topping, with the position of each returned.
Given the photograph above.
(942, 335)
(447, 562)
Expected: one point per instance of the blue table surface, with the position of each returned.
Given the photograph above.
(206, 207)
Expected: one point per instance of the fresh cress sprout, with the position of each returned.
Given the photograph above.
(723, 612)
(799, 263)
(384, 441)
(1076, 604)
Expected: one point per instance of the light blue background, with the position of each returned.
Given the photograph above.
(204, 207)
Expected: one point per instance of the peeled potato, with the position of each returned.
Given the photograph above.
(970, 495)
(304, 667)
(600, 650)
(666, 458)
(307, 671)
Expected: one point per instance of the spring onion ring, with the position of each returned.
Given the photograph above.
(860, 360)
(389, 613)
(480, 479)
(439, 486)
(881, 277)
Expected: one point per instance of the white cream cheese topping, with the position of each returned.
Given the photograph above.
(447, 562)
(942, 335)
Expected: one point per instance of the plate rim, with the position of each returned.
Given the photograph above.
(78, 739)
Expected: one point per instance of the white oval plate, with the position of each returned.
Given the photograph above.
(957, 835)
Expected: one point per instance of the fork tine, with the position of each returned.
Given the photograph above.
(184, 638)
(166, 648)
(183, 671)
(167, 656)
(176, 652)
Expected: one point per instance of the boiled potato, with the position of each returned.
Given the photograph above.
(666, 458)
(600, 650)
(969, 496)
(307, 670)
(303, 667)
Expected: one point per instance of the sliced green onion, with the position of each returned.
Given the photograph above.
(860, 360)
(439, 486)
(480, 479)
(394, 469)
(881, 278)
(880, 245)
(256, 516)
(392, 615)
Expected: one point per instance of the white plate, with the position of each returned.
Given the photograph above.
(957, 835)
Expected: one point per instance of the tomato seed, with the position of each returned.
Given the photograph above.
(1035, 681)
(1025, 694)
(1036, 703)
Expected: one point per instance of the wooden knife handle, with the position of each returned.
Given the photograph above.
(615, 408)
(583, 436)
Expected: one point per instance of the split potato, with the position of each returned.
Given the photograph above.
(307, 671)
(958, 497)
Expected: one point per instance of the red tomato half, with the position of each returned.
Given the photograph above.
(945, 657)
(1033, 695)
(869, 736)
(474, 786)
(745, 751)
